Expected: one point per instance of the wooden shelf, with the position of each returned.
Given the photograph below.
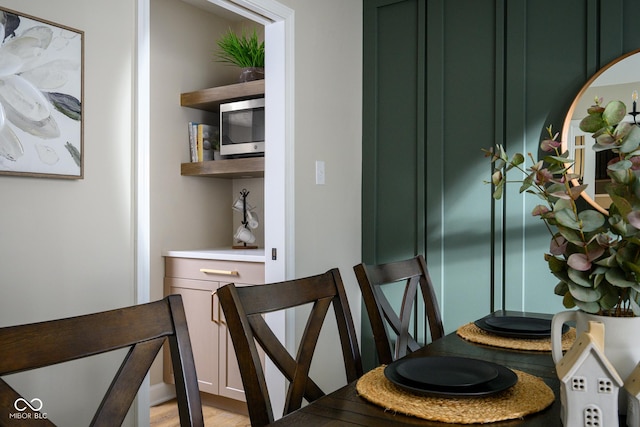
(210, 99)
(249, 167)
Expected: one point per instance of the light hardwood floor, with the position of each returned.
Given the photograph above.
(166, 415)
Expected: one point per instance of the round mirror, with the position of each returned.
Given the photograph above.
(618, 80)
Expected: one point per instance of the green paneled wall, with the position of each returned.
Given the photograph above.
(393, 196)
(392, 138)
(460, 92)
(443, 79)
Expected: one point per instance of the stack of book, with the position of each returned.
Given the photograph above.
(204, 139)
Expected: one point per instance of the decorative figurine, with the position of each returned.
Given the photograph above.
(589, 384)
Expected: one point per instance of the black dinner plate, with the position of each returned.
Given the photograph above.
(505, 378)
(449, 372)
(519, 324)
(519, 330)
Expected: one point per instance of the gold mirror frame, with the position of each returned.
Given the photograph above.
(569, 117)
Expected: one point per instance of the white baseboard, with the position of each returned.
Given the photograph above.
(161, 392)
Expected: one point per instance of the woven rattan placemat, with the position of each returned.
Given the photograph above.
(471, 332)
(529, 395)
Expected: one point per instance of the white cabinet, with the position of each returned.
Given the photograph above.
(197, 279)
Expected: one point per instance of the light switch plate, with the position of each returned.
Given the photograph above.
(320, 172)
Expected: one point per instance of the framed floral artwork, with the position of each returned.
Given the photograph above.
(41, 92)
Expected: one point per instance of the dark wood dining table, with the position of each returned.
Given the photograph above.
(344, 407)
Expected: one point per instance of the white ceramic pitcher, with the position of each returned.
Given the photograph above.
(621, 340)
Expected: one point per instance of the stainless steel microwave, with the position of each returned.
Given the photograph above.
(242, 128)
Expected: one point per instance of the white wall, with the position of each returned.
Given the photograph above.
(328, 127)
(66, 246)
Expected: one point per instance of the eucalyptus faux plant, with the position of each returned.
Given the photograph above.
(596, 257)
(243, 51)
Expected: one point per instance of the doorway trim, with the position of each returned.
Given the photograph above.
(279, 164)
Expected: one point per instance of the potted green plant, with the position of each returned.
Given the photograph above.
(246, 52)
(596, 257)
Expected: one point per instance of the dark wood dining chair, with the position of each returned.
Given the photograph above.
(142, 328)
(391, 327)
(243, 309)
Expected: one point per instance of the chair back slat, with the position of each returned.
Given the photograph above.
(117, 400)
(412, 278)
(142, 328)
(279, 355)
(244, 308)
(67, 339)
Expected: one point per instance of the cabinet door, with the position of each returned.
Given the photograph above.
(197, 280)
(204, 331)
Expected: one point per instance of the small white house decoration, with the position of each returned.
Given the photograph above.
(632, 386)
(589, 384)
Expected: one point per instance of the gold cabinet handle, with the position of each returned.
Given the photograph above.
(222, 272)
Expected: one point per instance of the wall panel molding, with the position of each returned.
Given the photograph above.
(481, 72)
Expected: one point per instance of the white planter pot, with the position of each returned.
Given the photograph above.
(621, 341)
